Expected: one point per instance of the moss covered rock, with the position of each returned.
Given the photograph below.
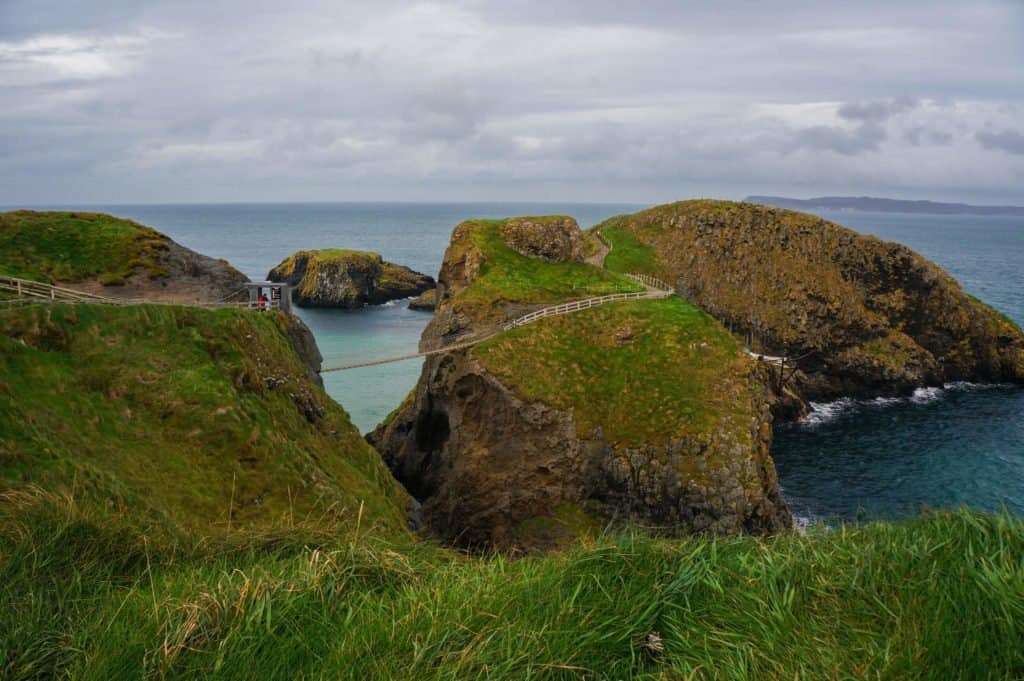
(868, 317)
(426, 301)
(635, 412)
(347, 279)
(554, 239)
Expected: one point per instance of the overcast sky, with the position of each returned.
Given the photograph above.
(134, 101)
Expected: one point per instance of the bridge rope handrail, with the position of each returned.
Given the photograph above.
(551, 311)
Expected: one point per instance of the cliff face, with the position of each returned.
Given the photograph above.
(642, 411)
(868, 317)
(347, 279)
(111, 257)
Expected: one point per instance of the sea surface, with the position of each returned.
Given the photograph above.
(941, 447)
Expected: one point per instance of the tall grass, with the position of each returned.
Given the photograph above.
(936, 597)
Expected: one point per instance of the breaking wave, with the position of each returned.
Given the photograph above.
(826, 412)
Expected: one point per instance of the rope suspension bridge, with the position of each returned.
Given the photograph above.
(27, 292)
(653, 289)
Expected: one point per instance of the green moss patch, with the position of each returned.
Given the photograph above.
(643, 371)
(71, 246)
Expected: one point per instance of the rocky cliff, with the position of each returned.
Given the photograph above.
(635, 412)
(347, 279)
(111, 257)
(867, 317)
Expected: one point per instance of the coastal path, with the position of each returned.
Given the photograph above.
(27, 292)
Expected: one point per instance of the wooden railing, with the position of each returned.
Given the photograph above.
(28, 291)
(25, 288)
(648, 280)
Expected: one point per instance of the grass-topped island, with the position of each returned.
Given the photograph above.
(344, 278)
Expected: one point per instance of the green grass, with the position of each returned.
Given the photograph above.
(63, 246)
(181, 419)
(627, 253)
(679, 374)
(510, 277)
(938, 597)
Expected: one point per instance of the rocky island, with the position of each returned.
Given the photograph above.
(861, 317)
(641, 411)
(111, 257)
(345, 278)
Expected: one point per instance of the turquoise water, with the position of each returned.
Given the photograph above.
(255, 237)
(940, 448)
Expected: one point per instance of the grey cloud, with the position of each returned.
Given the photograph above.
(921, 135)
(867, 137)
(1010, 141)
(878, 111)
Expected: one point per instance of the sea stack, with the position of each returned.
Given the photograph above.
(859, 316)
(343, 278)
(640, 411)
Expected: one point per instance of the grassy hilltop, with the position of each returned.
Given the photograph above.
(63, 246)
(872, 317)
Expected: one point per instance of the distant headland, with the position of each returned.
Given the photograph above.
(877, 205)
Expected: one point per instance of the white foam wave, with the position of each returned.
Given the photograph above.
(926, 395)
(968, 386)
(826, 412)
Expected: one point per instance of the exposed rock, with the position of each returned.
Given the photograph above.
(554, 239)
(185, 277)
(305, 346)
(347, 279)
(868, 317)
(493, 469)
(426, 301)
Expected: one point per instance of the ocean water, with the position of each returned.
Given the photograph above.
(943, 447)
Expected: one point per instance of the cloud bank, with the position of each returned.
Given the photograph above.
(139, 101)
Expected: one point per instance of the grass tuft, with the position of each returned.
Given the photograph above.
(936, 597)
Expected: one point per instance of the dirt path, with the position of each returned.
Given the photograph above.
(597, 260)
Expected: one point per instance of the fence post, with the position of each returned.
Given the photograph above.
(19, 288)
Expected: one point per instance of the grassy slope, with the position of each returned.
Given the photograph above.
(627, 254)
(509, 277)
(679, 374)
(939, 597)
(62, 246)
(172, 416)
